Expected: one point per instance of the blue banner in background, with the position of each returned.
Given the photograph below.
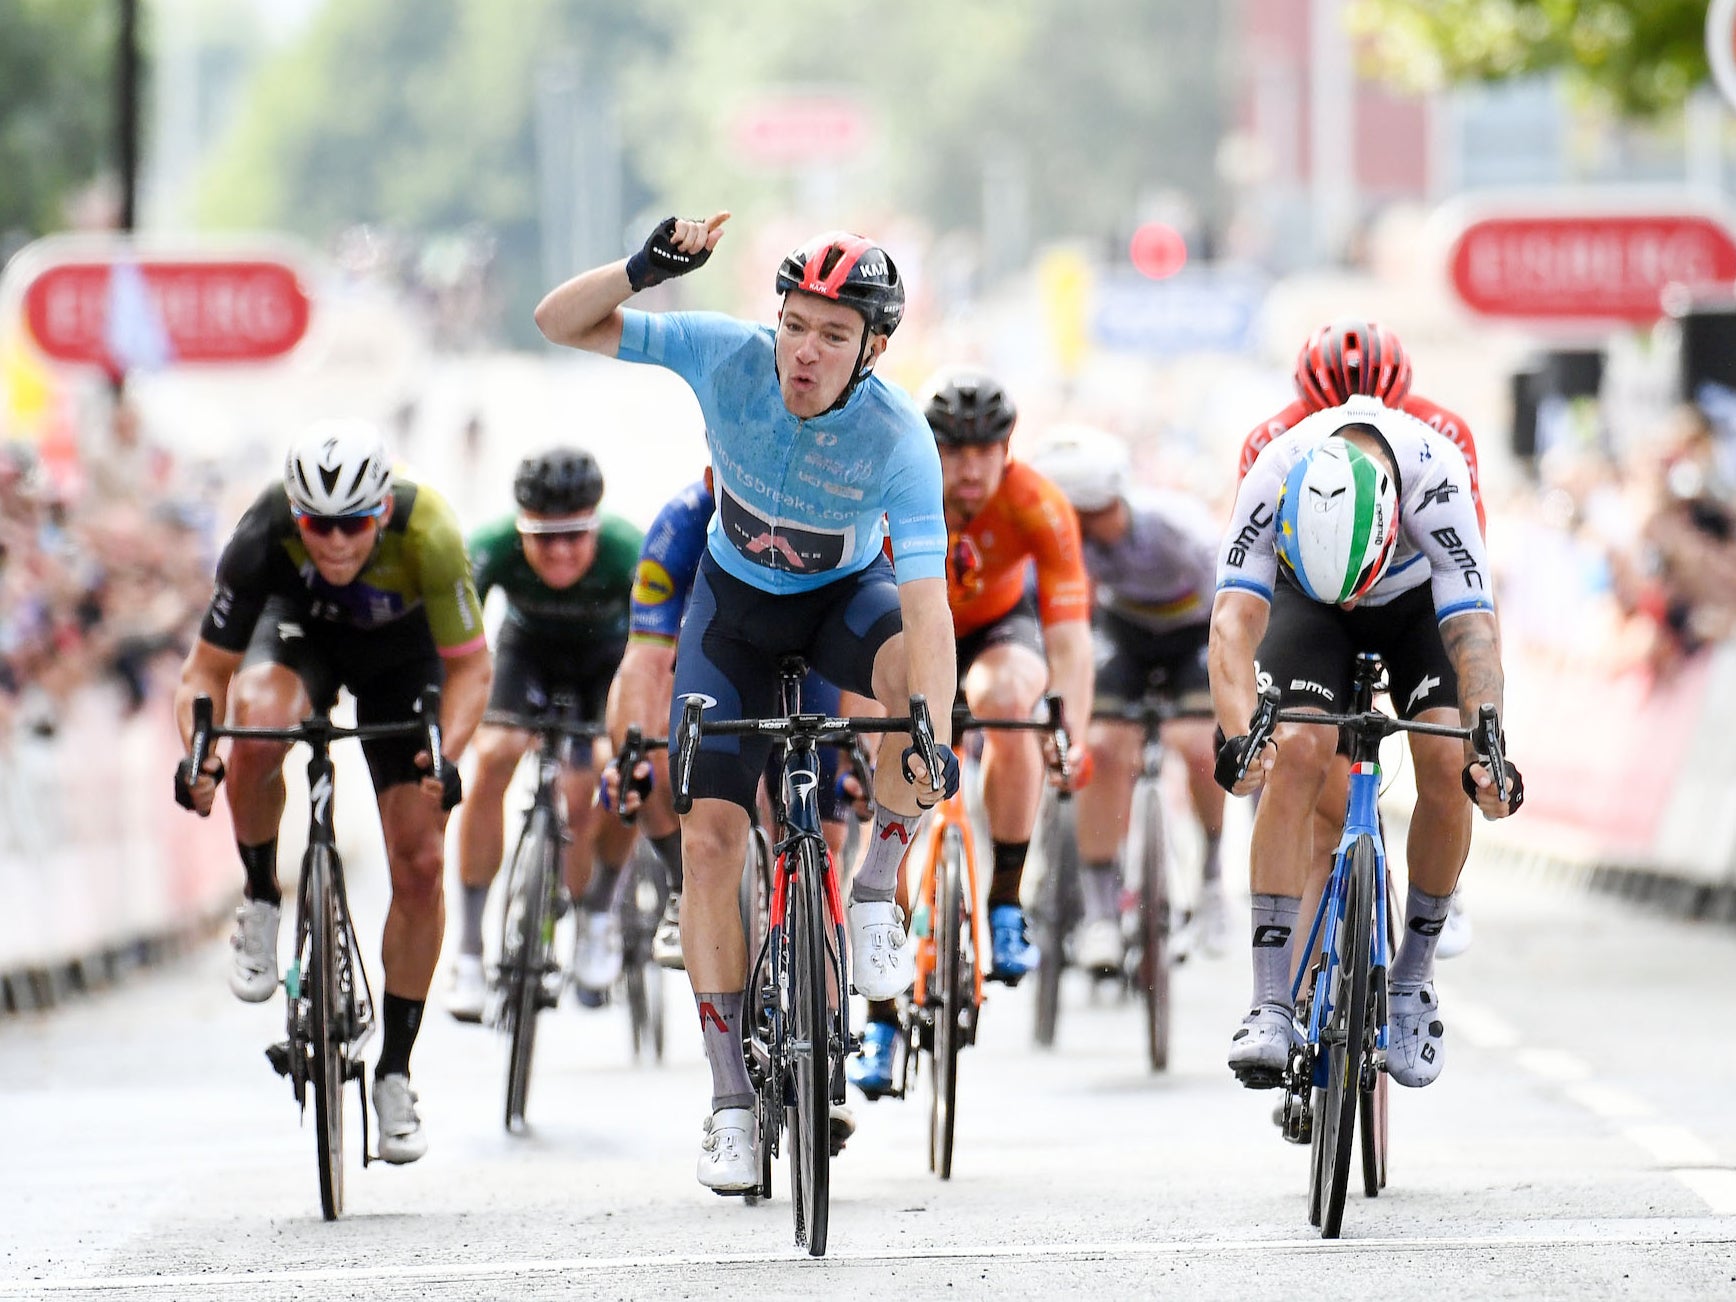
(1203, 310)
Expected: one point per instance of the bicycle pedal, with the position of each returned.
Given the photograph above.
(278, 1056)
(1260, 1078)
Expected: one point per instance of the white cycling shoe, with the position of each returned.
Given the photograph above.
(882, 959)
(1260, 1048)
(1211, 921)
(666, 940)
(253, 951)
(401, 1136)
(597, 951)
(1099, 947)
(469, 993)
(1415, 1035)
(727, 1162)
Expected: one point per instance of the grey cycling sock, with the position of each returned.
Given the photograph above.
(1274, 942)
(720, 1024)
(470, 934)
(1424, 916)
(1212, 870)
(1100, 884)
(600, 894)
(877, 878)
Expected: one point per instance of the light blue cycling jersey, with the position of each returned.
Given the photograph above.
(800, 503)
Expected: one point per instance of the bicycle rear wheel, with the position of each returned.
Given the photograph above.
(326, 1024)
(754, 897)
(1056, 908)
(1335, 1103)
(525, 947)
(641, 908)
(810, 1051)
(1154, 915)
(947, 1000)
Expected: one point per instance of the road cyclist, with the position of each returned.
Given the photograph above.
(565, 569)
(343, 574)
(1355, 532)
(815, 460)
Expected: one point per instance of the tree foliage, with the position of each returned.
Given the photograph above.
(1642, 56)
(56, 61)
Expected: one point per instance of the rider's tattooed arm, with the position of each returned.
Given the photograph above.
(1473, 642)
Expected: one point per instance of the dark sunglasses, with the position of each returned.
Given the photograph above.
(349, 525)
(571, 536)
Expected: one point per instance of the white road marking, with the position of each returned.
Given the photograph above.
(1715, 1188)
(1609, 1101)
(1554, 1065)
(1483, 1027)
(1626, 1232)
(1673, 1145)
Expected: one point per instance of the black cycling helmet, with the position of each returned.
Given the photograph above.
(966, 406)
(851, 270)
(562, 481)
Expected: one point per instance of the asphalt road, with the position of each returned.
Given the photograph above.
(1581, 1142)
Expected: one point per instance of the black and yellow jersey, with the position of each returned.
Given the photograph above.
(419, 570)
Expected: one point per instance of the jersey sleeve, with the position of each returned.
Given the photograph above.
(1264, 433)
(443, 573)
(1455, 428)
(668, 561)
(1441, 519)
(243, 579)
(688, 343)
(1051, 530)
(1248, 556)
(914, 516)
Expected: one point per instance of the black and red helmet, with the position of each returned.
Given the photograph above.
(851, 270)
(1350, 357)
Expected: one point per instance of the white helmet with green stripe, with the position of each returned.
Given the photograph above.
(1337, 521)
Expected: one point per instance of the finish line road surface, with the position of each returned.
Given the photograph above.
(1580, 1143)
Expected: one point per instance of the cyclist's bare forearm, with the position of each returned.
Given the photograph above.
(585, 312)
(206, 672)
(1071, 671)
(932, 661)
(1238, 623)
(1473, 643)
(464, 698)
(641, 690)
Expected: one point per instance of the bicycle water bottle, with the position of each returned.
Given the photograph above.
(919, 923)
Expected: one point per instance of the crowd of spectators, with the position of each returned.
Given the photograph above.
(104, 568)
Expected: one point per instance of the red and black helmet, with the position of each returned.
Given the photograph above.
(851, 270)
(1350, 357)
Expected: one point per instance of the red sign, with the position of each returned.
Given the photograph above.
(1601, 267)
(205, 311)
(794, 130)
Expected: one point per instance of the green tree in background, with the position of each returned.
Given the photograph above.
(56, 58)
(1642, 56)
(424, 116)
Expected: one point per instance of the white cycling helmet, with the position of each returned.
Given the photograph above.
(1090, 466)
(338, 467)
(1337, 521)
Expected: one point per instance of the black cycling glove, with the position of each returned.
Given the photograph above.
(660, 260)
(451, 784)
(1515, 785)
(185, 778)
(1229, 760)
(949, 775)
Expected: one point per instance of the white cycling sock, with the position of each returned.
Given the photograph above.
(877, 878)
(1424, 917)
(1274, 942)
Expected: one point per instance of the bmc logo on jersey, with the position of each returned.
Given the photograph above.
(652, 585)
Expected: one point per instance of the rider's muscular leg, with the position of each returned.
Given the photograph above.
(481, 832)
(1005, 683)
(415, 832)
(896, 809)
(713, 845)
(1281, 852)
(1192, 740)
(263, 696)
(1440, 830)
(1102, 805)
(584, 820)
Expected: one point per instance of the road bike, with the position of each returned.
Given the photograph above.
(526, 976)
(939, 1016)
(796, 1018)
(330, 1007)
(1335, 1076)
(1153, 926)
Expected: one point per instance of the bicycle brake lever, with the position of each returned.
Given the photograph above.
(1489, 748)
(1260, 729)
(428, 707)
(692, 718)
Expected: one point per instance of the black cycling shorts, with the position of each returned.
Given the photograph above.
(385, 669)
(732, 638)
(1310, 648)
(531, 671)
(1133, 661)
(1019, 626)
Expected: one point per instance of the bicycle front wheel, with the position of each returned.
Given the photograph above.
(947, 1000)
(1056, 908)
(1154, 915)
(526, 944)
(641, 908)
(1372, 1113)
(810, 1049)
(326, 1023)
(1335, 1103)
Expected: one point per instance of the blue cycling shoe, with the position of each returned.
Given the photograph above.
(1014, 954)
(871, 1070)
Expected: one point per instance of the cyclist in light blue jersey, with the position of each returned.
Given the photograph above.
(816, 461)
